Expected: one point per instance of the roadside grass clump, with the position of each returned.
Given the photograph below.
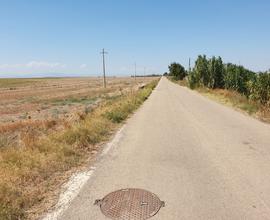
(74, 100)
(29, 172)
(91, 131)
(120, 110)
(3, 141)
(231, 98)
(10, 209)
(182, 82)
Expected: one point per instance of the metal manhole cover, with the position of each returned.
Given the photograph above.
(130, 204)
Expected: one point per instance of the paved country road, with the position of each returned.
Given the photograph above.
(205, 160)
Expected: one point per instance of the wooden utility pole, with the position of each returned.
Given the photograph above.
(104, 70)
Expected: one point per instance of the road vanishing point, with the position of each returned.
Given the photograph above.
(205, 160)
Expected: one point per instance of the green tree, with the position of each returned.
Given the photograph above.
(238, 78)
(201, 70)
(216, 72)
(260, 88)
(177, 71)
(193, 80)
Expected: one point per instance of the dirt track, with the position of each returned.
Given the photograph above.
(206, 161)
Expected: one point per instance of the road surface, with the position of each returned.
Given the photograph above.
(205, 160)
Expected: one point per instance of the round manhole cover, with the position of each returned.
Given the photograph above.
(130, 204)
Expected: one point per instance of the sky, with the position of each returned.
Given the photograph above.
(65, 37)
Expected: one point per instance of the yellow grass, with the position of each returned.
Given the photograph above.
(237, 101)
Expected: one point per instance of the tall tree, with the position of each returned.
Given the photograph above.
(238, 78)
(201, 70)
(218, 74)
(177, 71)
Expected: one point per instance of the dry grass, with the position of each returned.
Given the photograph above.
(29, 172)
(19, 125)
(41, 99)
(233, 99)
(264, 113)
(238, 101)
(183, 82)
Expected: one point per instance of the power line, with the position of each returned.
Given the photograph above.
(104, 70)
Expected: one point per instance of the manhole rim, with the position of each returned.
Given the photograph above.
(100, 201)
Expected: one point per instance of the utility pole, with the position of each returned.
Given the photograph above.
(104, 70)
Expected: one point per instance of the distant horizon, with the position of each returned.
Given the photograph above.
(59, 75)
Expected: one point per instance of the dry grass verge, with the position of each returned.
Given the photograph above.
(179, 82)
(238, 101)
(233, 99)
(27, 173)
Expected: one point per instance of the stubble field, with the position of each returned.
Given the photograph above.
(53, 102)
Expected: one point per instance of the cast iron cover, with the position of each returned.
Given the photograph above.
(130, 204)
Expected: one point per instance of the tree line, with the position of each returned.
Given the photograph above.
(213, 73)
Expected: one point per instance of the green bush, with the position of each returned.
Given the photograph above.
(212, 73)
(238, 78)
(207, 72)
(177, 71)
(260, 88)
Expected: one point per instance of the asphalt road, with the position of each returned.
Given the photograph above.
(205, 160)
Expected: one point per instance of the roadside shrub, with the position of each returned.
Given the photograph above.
(10, 206)
(260, 88)
(238, 78)
(193, 80)
(90, 131)
(216, 72)
(212, 73)
(207, 72)
(120, 111)
(117, 114)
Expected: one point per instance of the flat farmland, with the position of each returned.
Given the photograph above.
(25, 102)
(27, 97)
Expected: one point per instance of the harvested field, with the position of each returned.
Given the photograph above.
(48, 103)
(52, 97)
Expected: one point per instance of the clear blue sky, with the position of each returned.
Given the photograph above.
(64, 36)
